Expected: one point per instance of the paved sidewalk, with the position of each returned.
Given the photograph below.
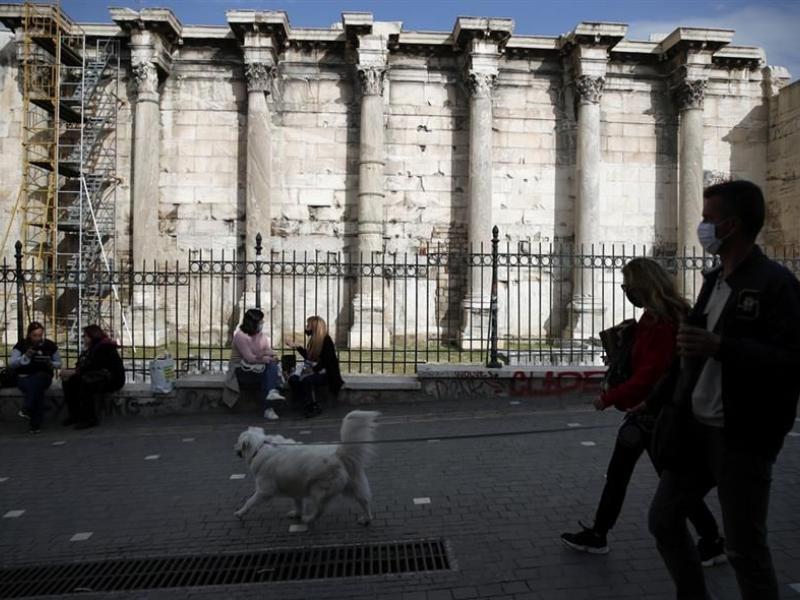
(501, 502)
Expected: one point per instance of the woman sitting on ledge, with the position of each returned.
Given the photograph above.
(99, 371)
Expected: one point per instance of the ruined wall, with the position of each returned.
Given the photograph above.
(783, 175)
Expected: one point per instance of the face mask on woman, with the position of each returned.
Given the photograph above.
(309, 332)
(633, 297)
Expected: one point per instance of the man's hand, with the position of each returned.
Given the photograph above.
(641, 407)
(30, 352)
(694, 342)
(599, 404)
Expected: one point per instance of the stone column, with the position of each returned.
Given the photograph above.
(689, 96)
(259, 158)
(585, 302)
(146, 154)
(368, 329)
(476, 303)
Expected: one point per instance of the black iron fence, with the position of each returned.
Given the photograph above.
(510, 302)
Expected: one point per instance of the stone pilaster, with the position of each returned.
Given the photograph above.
(262, 35)
(687, 54)
(689, 97)
(482, 42)
(588, 45)
(369, 329)
(146, 155)
(259, 157)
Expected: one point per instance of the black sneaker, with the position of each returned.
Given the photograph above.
(34, 431)
(24, 414)
(586, 541)
(712, 551)
(86, 424)
(69, 421)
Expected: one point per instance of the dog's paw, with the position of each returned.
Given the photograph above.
(239, 515)
(293, 514)
(365, 521)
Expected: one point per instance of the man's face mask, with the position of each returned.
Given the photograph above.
(707, 236)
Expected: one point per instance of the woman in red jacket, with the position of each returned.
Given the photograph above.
(650, 287)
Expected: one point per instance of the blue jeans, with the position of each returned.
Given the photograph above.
(270, 380)
(33, 388)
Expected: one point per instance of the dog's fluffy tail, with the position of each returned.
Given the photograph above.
(358, 430)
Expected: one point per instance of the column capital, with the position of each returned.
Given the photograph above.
(371, 80)
(154, 34)
(690, 94)
(259, 76)
(588, 89)
(145, 76)
(480, 84)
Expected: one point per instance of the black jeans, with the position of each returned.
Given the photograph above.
(33, 387)
(743, 482)
(80, 392)
(302, 388)
(627, 452)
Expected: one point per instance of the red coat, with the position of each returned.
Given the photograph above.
(653, 351)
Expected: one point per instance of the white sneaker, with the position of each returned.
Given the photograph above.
(275, 395)
(271, 415)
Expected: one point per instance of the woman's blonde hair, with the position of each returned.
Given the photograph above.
(319, 330)
(655, 289)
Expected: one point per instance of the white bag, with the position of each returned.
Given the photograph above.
(162, 375)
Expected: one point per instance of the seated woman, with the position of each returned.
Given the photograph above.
(99, 371)
(33, 361)
(321, 367)
(253, 364)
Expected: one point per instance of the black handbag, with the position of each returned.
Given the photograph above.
(8, 377)
(669, 442)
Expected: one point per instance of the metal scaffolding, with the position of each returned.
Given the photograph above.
(70, 88)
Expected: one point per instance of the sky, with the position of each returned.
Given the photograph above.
(772, 24)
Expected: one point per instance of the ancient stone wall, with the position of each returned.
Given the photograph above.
(783, 175)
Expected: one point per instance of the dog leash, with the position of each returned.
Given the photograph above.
(447, 438)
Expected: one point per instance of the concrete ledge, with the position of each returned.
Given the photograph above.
(550, 386)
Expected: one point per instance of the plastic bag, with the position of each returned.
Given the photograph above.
(162, 375)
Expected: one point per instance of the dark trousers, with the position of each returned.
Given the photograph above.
(33, 388)
(302, 388)
(80, 392)
(627, 452)
(743, 482)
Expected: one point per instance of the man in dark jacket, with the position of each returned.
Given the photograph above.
(741, 386)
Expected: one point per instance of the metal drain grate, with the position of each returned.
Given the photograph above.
(292, 564)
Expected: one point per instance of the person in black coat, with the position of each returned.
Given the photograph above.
(99, 370)
(320, 367)
(33, 361)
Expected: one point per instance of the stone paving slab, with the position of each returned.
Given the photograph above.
(500, 502)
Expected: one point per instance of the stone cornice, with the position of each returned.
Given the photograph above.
(496, 30)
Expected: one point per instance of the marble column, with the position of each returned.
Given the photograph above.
(146, 153)
(258, 214)
(689, 96)
(585, 302)
(149, 330)
(368, 329)
(479, 232)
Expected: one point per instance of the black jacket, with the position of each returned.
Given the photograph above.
(759, 351)
(41, 361)
(103, 356)
(329, 362)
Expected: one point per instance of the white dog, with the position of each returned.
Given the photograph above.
(311, 475)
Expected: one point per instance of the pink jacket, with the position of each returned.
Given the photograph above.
(254, 349)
